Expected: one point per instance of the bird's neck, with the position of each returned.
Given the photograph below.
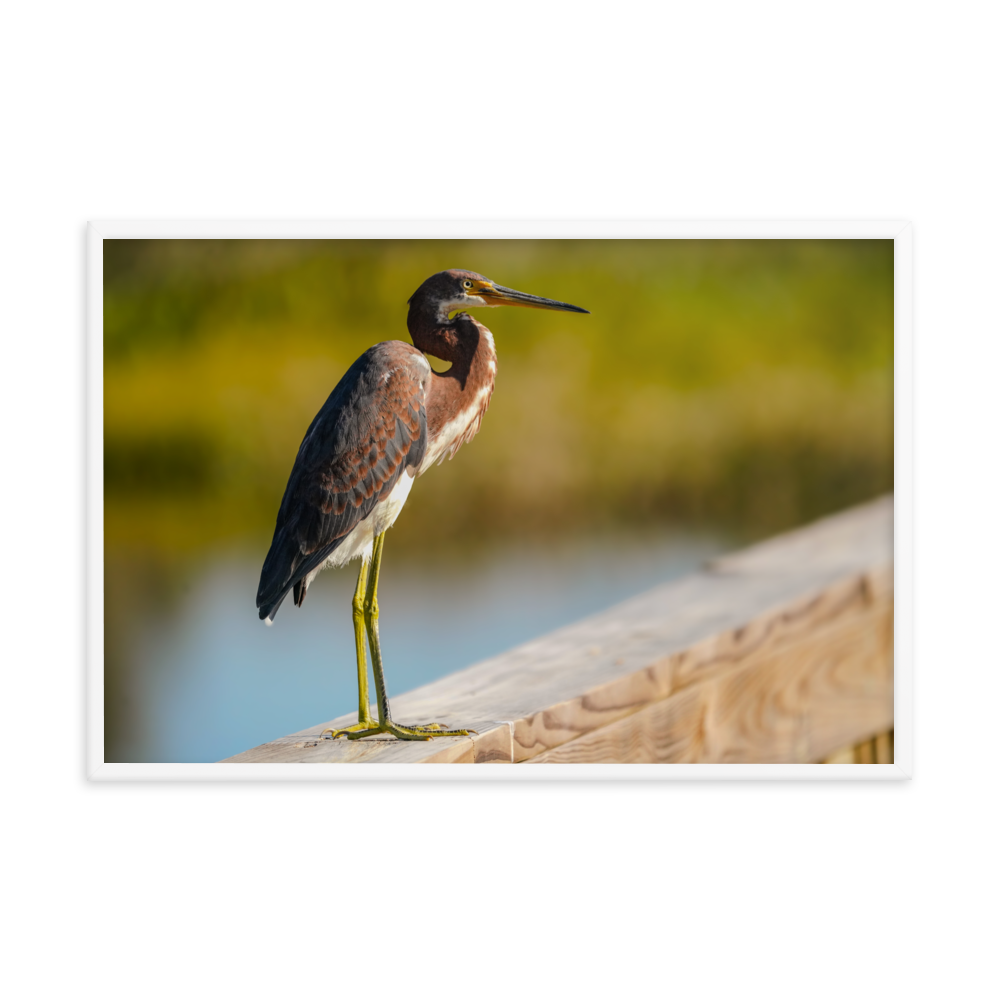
(468, 345)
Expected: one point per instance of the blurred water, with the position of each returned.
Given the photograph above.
(210, 680)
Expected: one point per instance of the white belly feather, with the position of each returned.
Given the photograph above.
(359, 541)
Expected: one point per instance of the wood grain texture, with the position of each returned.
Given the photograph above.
(779, 653)
(818, 678)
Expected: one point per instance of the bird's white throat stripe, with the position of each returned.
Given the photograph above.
(493, 350)
(457, 431)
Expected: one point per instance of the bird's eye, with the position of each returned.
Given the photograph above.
(467, 283)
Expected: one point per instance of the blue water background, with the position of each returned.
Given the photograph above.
(208, 679)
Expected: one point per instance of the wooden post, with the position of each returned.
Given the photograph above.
(781, 653)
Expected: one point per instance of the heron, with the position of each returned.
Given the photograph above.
(389, 419)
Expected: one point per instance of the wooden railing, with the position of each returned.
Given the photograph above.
(781, 653)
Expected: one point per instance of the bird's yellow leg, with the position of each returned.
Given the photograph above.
(365, 721)
(385, 723)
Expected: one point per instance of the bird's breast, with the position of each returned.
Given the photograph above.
(457, 399)
(458, 429)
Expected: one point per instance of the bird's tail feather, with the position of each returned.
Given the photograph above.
(278, 575)
(268, 611)
(286, 567)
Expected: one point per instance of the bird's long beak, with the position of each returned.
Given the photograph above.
(497, 295)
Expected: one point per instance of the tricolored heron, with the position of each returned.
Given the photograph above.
(390, 418)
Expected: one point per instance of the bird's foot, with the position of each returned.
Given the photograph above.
(400, 732)
(365, 726)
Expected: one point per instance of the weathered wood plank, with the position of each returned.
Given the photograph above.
(819, 677)
(779, 652)
(845, 755)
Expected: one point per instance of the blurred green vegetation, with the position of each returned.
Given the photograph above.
(744, 383)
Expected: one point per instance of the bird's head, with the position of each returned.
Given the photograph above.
(454, 291)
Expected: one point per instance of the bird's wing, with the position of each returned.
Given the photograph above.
(369, 432)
